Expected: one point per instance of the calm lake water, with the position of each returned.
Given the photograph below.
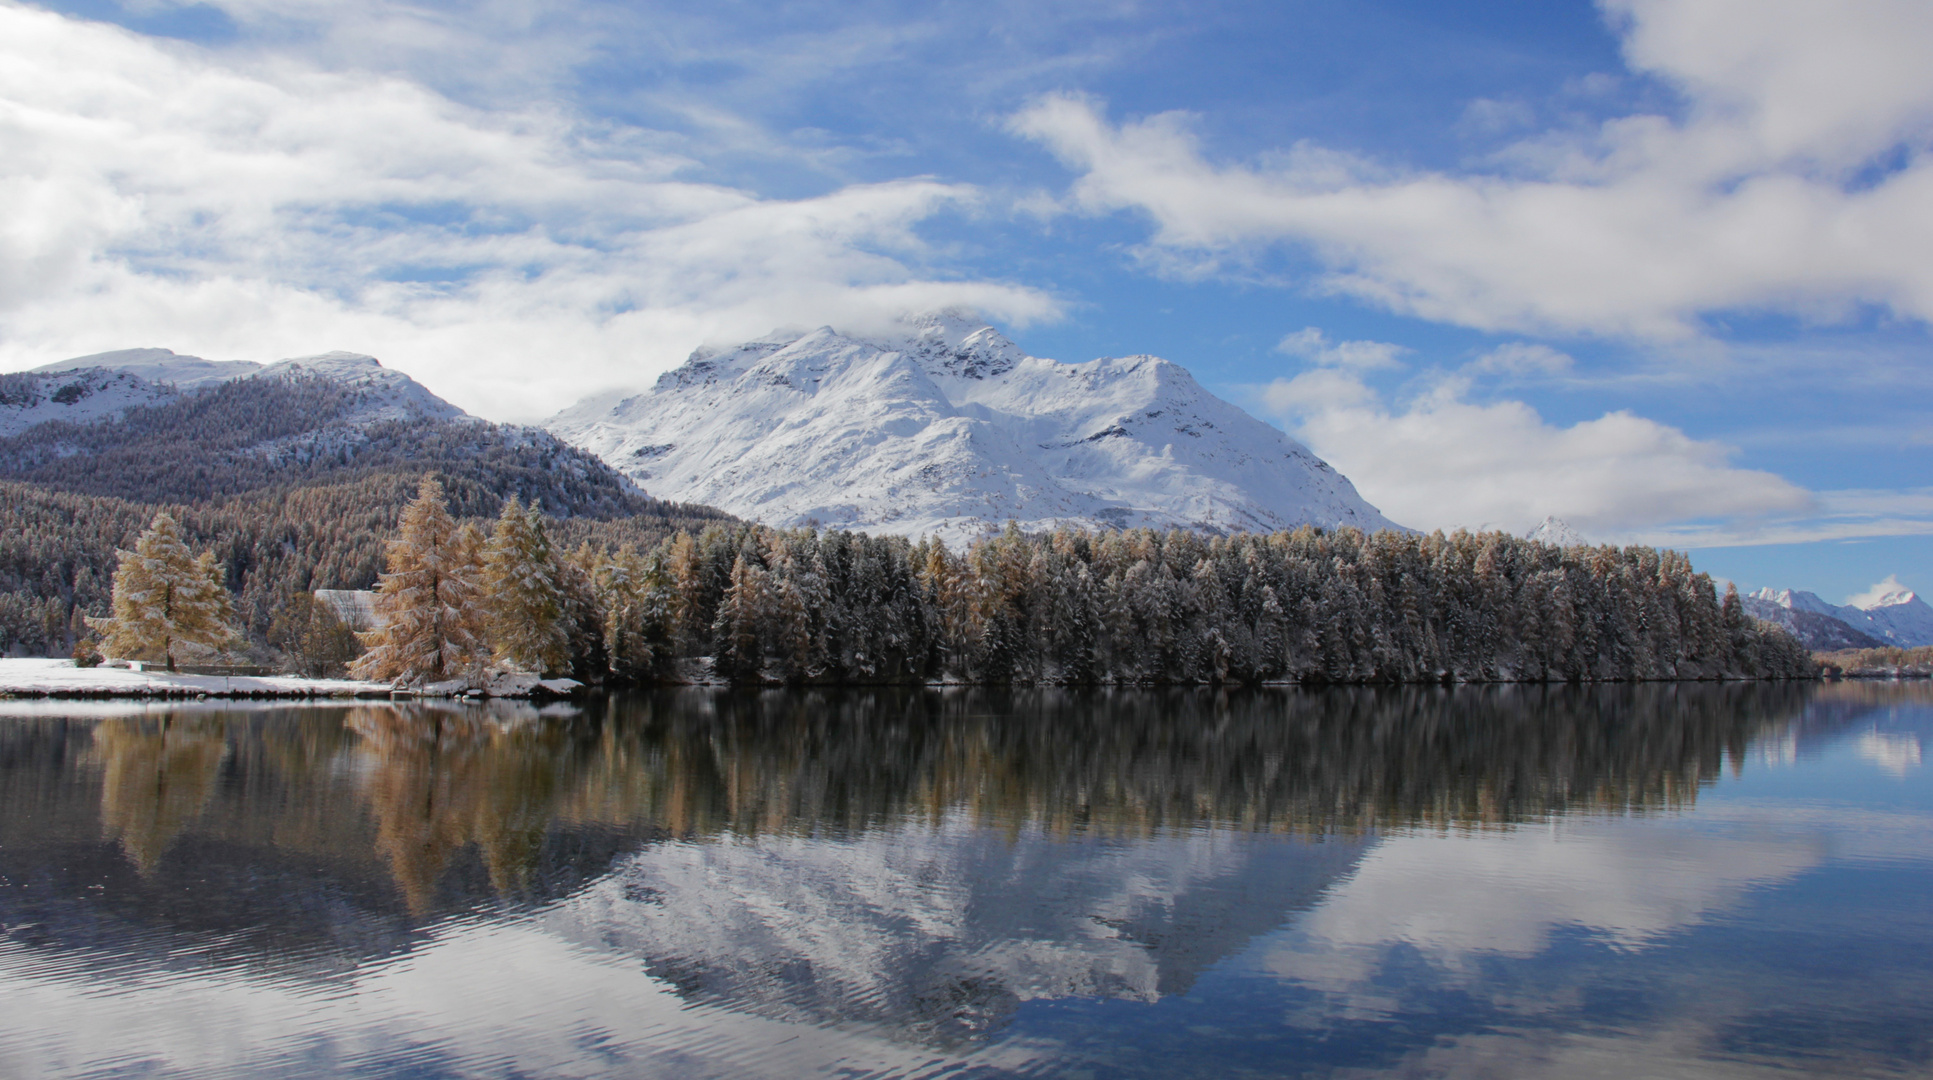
(1723, 881)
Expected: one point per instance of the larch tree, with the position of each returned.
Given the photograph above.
(429, 604)
(524, 599)
(166, 597)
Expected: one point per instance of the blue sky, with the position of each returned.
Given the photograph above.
(1656, 268)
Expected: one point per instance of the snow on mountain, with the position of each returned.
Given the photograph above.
(1888, 611)
(1900, 615)
(1813, 629)
(947, 428)
(1556, 531)
(160, 366)
(387, 394)
(88, 389)
(31, 398)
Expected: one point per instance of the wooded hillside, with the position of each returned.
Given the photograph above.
(57, 549)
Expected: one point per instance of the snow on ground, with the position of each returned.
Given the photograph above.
(33, 677)
(36, 676)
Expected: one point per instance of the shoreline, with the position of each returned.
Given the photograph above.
(36, 678)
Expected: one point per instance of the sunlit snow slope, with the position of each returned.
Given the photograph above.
(949, 429)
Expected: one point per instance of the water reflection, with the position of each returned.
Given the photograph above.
(158, 776)
(904, 873)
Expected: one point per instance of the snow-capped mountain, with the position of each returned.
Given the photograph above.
(383, 393)
(1556, 531)
(1888, 611)
(947, 428)
(154, 425)
(104, 386)
(31, 398)
(1814, 629)
(159, 366)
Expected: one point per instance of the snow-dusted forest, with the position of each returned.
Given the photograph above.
(667, 599)
(751, 604)
(1140, 606)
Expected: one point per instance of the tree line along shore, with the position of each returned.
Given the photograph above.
(749, 604)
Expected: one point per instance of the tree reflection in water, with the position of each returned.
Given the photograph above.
(544, 800)
(905, 871)
(439, 779)
(158, 775)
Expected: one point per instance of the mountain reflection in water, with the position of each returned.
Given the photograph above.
(915, 864)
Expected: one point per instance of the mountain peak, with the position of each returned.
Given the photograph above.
(1888, 593)
(1556, 531)
(1888, 611)
(391, 395)
(159, 366)
(942, 425)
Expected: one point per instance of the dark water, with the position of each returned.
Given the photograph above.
(1488, 882)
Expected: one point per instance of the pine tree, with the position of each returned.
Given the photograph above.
(523, 598)
(429, 602)
(740, 628)
(166, 597)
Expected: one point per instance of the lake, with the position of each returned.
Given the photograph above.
(1669, 880)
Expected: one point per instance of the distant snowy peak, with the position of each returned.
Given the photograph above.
(1885, 594)
(1888, 611)
(1556, 531)
(943, 426)
(88, 389)
(388, 394)
(160, 366)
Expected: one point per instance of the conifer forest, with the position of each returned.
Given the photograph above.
(1074, 607)
(675, 595)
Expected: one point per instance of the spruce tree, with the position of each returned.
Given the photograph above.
(429, 603)
(165, 597)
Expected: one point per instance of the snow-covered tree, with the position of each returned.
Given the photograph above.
(430, 603)
(740, 628)
(166, 597)
(522, 595)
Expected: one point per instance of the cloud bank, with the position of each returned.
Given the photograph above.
(1443, 461)
(1795, 179)
(159, 195)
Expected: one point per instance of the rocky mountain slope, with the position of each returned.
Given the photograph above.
(947, 428)
(1889, 613)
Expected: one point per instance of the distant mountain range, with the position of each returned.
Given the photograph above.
(1887, 614)
(945, 427)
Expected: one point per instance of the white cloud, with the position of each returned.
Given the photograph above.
(514, 259)
(1631, 884)
(1522, 358)
(1747, 201)
(1443, 461)
(1312, 344)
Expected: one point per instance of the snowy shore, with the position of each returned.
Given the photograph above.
(60, 678)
